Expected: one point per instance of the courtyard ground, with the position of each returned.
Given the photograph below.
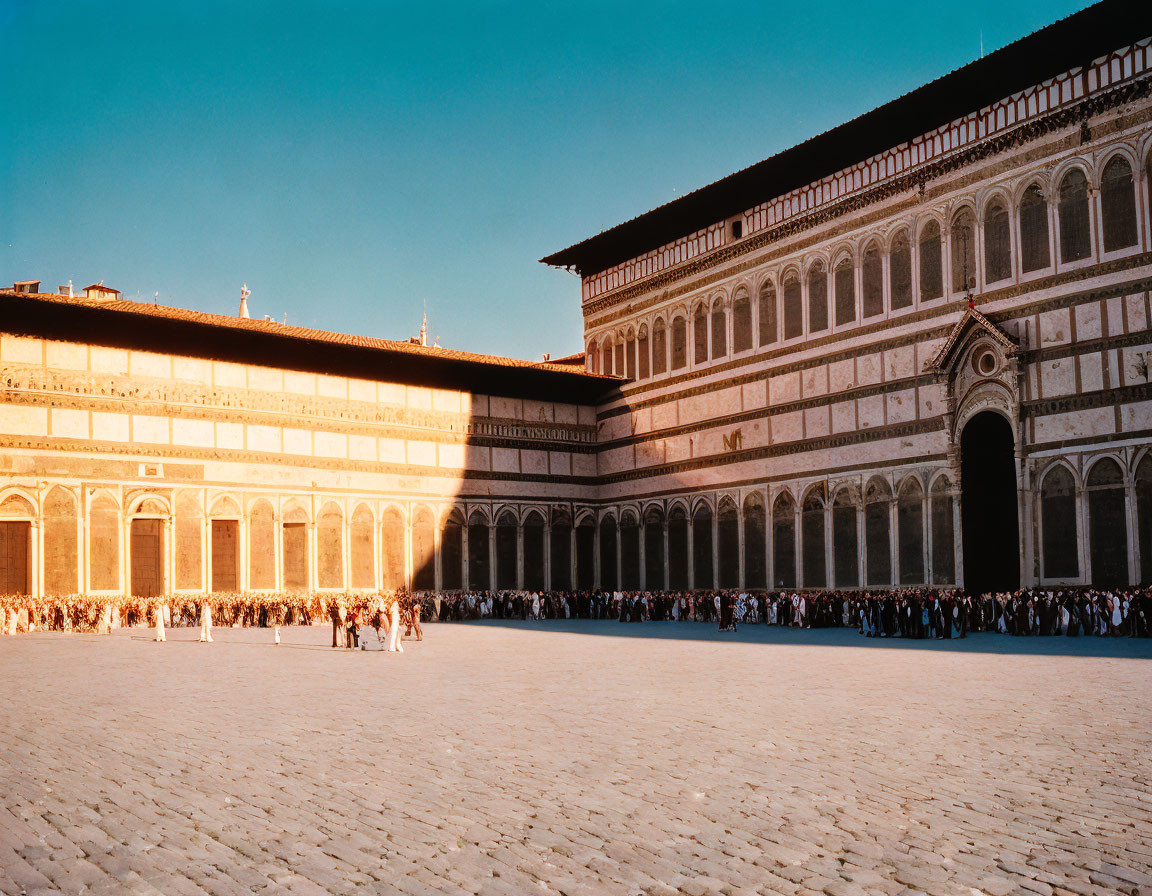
(576, 757)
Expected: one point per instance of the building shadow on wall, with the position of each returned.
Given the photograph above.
(778, 636)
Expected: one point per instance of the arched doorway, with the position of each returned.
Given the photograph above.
(988, 505)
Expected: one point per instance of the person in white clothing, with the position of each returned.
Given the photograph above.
(395, 645)
(158, 612)
(205, 621)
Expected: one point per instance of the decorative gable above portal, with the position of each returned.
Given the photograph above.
(978, 363)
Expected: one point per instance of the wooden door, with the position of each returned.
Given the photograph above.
(225, 555)
(147, 558)
(14, 557)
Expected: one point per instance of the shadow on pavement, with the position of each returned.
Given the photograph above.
(1135, 648)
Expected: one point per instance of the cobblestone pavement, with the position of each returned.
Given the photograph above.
(575, 758)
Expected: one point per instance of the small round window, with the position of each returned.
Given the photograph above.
(984, 362)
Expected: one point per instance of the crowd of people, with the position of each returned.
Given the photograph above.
(901, 613)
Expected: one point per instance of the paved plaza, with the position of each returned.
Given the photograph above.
(577, 757)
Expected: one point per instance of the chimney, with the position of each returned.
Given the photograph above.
(244, 293)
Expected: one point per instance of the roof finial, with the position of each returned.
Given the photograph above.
(244, 293)
(424, 325)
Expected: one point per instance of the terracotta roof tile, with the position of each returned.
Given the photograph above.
(293, 332)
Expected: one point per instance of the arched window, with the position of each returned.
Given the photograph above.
(608, 553)
(629, 551)
(728, 544)
(479, 561)
(679, 343)
(642, 348)
(784, 542)
(793, 308)
(719, 331)
(561, 550)
(677, 549)
(506, 550)
(585, 553)
(943, 532)
(845, 292)
(741, 322)
(659, 347)
(1075, 236)
(1033, 230)
(61, 545)
(910, 526)
(900, 271)
(702, 572)
(360, 559)
(452, 552)
(606, 352)
(391, 549)
(963, 252)
(1107, 530)
(873, 275)
(700, 335)
(877, 534)
(767, 309)
(845, 545)
(817, 298)
(423, 551)
(1118, 205)
(533, 551)
(261, 546)
(931, 273)
(1144, 516)
(189, 535)
(330, 547)
(755, 569)
(812, 540)
(618, 366)
(593, 358)
(997, 243)
(654, 566)
(1058, 524)
(630, 356)
(104, 544)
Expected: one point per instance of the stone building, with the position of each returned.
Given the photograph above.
(912, 350)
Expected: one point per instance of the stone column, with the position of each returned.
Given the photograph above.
(769, 558)
(243, 550)
(861, 546)
(798, 546)
(437, 560)
(492, 562)
(619, 557)
(346, 549)
(642, 552)
(1023, 526)
(520, 555)
(1083, 534)
(691, 555)
(547, 556)
(313, 555)
(958, 541)
(926, 535)
(829, 571)
(894, 537)
(36, 561)
(595, 553)
(716, 548)
(1132, 527)
(572, 553)
(740, 546)
(664, 535)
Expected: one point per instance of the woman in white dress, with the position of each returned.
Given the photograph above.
(158, 612)
(535, 605)
(206, 621)
(394, 643)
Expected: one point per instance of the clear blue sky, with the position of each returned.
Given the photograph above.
(352, 161)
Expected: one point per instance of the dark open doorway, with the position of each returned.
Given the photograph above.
(988, 505)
